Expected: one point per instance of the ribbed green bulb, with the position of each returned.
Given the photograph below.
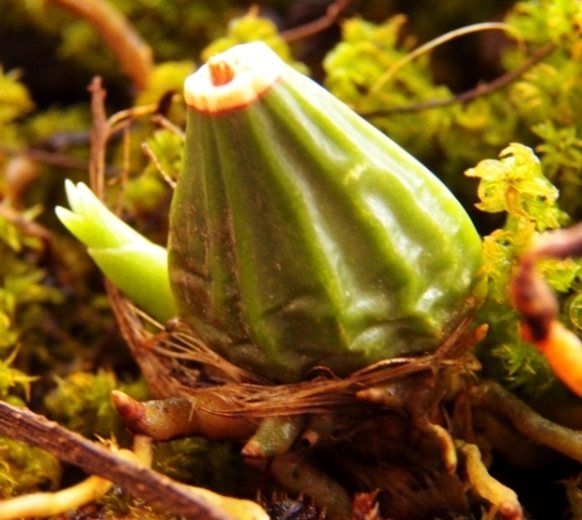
(301, 236)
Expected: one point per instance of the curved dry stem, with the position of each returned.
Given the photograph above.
(423, 49)
(158, 165)
(330, 17)
(533, 298)
(163, 122)
(124, 117)
(134, 55)
(468, 95)
(24, 425)
(99, 136)
(28, 227)
(52, 158)
(103, 128)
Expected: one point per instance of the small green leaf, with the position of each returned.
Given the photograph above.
(135, 265)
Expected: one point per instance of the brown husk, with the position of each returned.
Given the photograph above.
(176, 363)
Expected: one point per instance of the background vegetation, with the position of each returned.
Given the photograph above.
(60, 351)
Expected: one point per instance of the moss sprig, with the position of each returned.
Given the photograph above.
(515, 184)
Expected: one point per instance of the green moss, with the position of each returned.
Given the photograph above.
(52, 303)
(252, 28)
(515, 185)
(81, 402)
(24, 469)
(214, 465)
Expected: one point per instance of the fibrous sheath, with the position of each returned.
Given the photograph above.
(301, 235)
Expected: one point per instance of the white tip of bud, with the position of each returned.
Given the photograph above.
(233, 79)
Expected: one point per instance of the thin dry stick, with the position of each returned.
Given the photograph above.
(331, 16)
(134, 55)
(25, 426)
(124, 117)
(99, 135)
(55, 159)
(123, 178)
(152, 157)
(103, 129)
(468, 95)
(164, 122)
(423, 49)
(30, 228)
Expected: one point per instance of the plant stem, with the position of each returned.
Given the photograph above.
(25, 426)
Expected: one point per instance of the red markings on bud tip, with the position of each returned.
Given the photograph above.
(221, 72)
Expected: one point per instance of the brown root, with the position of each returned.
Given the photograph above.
(535, 301)
(301, 477)
(501, 402)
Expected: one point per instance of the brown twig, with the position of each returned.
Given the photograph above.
(121, 119)
(54, 159)
(26, 426)
(122, 179)
(533, 298)
(29, 228)
(101, 132)
(134, 55)
(560, 243)
(331, 16)
(152, 157)
(468, 95)
(99, 135)
(163, 122)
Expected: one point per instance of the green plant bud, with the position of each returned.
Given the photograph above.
(130, 261)
(301, 236)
